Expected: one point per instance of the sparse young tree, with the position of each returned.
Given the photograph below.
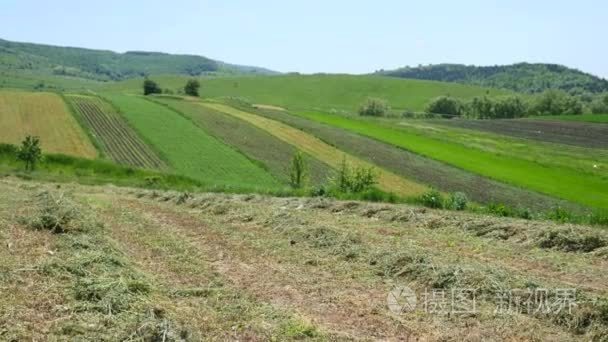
(192, 87)
(151, 87)
(298, 171)
(30, 152)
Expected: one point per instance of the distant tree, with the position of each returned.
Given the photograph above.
(445, 105)
(557, 102)
(600, 105)
(509, 108)
(298, 171)
(572, 105)
(151, 87)
(374, 107)
(479, 108)
(30, 152)
(192, 87)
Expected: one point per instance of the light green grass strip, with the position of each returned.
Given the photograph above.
(558, 182)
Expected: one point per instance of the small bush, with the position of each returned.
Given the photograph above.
(354, 180)
(457, 201)
(151, 87)
(446, 106)
(374, 107)
(500, 209)
(432, 199)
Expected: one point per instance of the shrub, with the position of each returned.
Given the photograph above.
(151, 87)
(354, 180)
(192, 87)
(432, 199)
(374, 107)
(446, 106)
(457, 201)
(499, 209)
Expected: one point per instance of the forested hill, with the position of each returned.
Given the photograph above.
(107, 65)
(523, 77)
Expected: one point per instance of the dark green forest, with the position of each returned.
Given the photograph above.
(522, 77)
(101, 65)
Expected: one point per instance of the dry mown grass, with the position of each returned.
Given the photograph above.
(170, 265)
(429, 249)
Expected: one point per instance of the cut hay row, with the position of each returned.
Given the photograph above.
(328, 154)
(118, 140)
(46, 116)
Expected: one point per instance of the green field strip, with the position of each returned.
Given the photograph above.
(116, 138)
(558, 182)
(256, 143)
(387, 181)
(188, 149)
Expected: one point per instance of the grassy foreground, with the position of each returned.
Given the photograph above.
(250, 267)
(563, 183)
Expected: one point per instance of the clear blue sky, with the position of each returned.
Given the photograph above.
(324, 35)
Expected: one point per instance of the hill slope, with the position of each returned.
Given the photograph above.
(323, 91)
(524, 77)
(28, 58)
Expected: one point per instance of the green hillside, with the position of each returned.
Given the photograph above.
(328, 92)
(46, 60)
(524, 77)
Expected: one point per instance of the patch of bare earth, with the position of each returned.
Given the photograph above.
(570, 133)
